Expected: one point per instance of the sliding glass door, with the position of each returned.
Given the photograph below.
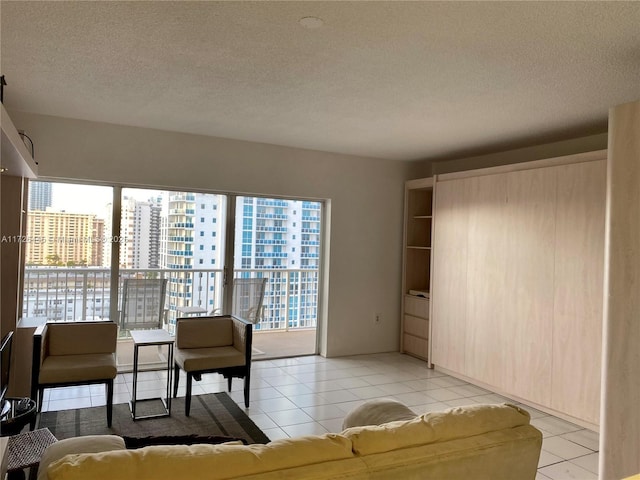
(180, 237)
(279, 240)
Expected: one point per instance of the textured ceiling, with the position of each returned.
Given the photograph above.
(383, 79)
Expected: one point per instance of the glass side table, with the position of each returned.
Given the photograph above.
(144, 338)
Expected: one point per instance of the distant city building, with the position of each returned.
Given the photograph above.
(279, 234)
(39, 195)
(64, 239)
(191, 233)
(140, 233)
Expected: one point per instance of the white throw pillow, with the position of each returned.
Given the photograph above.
(86, 444)
(376, 412)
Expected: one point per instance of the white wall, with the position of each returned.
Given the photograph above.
(365, 204)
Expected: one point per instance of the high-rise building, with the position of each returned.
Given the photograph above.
(191, 234)
(62, 238)
(279, 234)
(39, 195)
(140, 233)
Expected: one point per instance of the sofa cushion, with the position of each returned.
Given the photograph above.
(433, 427)
(86, 444)
(198, 359)
(376, 412)
(76, 368)
(213, 462)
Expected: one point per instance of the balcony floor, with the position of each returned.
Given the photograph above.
(293, 343)
(266, 345)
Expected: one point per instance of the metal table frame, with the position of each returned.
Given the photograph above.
(144, 338)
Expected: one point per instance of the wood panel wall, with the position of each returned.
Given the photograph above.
(518, 278)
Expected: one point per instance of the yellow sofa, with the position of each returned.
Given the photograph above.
(477, 442)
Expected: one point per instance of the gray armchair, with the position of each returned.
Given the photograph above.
(74, 353)
(219, 344)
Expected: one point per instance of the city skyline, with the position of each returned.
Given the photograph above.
(93, 199)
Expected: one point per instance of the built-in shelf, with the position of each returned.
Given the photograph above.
(417, 267)
(16, 159)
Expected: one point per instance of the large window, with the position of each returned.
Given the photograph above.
(67, 252)
(77, 262)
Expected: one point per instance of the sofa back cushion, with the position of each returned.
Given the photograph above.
(81, 338)
(213, 462)
(204, 332)
(434, 427)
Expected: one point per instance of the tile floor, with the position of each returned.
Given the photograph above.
(311, 395)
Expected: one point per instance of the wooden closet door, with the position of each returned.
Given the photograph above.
(449, 298)
(579, 274)
(486, 281)
(528, 307)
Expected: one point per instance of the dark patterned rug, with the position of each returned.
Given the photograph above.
(211, 415)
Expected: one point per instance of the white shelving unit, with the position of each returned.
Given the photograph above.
(416, 268)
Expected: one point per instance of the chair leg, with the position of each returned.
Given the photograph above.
(247, 379)
(229, 378)
(176, 378)
(187, 399)
(109, 388)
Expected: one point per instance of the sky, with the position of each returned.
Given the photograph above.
(90, 198)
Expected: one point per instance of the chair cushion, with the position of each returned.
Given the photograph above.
(204, 332)
(78, 368)
(200, 359)
(78, 338)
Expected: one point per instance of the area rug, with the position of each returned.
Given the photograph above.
(211, 414)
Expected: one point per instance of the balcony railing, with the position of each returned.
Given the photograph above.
(72, 294)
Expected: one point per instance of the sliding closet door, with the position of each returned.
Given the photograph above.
(486, 282)
(450, 275)
(579, 271)
(529, 219)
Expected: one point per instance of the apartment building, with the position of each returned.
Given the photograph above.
(63, 238)
(140, 233)
(278, 234)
